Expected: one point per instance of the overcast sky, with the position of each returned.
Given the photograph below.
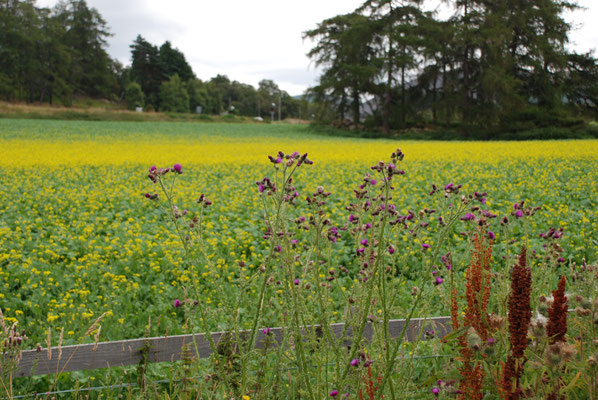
(253, 40)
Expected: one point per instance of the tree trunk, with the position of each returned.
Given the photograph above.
(466, 105)
(356, 105)
(434, 98)
(403, 99)
(342, 107)
(386, 106)
(444, 90)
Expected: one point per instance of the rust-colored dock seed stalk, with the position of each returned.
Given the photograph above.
(556, 329)
(520, 314)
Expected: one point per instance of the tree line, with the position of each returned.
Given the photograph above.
(160, 78)
(493, 64)
(54, 55)
(388, 65)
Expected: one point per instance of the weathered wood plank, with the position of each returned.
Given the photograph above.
(170, 348)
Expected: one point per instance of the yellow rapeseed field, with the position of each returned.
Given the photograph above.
(78, 238)
(53, 153)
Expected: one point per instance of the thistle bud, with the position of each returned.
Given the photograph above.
(496, 322)
(586, 304)
(489, 350)
(474, 342)
(559, 352)
(552, 357)
(582, 312)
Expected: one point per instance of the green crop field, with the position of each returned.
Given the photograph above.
(78, 238)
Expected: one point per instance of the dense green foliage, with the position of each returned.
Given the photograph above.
(500, 65)
(173, 95)
(60, 54)
(134, 96)
(52, 55)
(389, 65)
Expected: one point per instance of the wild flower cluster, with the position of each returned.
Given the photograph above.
(299, 284)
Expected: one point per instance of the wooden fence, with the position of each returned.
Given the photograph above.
(170, 348)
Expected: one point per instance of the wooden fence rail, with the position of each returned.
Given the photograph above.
(170, 348)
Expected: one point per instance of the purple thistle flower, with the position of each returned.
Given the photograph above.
(178, 168)
(368, 226)
(177, 303)
(468, 217)
(518, 213)
(364, 242)
(334, 393)
(266, 331)
(391, 249)
(261, 188)
(488, 214)
(425, 246)
(278, 249)
(373, 182)
(435, 391)
(355, 362)
(491, 235)
(296, 282)
(438, 281)
(352, 218)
